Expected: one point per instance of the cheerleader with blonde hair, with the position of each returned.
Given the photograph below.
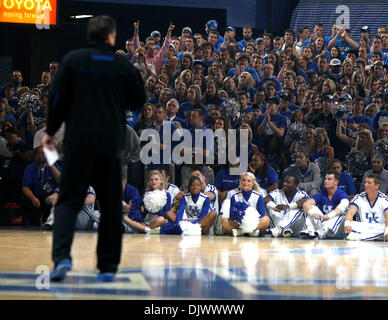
(149, 214)
(243, 211)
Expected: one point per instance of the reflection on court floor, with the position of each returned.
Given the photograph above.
(173, 267)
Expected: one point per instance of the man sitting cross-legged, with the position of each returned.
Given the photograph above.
(372, 208)
(285, 208)
(325, 210)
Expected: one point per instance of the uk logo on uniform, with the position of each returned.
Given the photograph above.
(371, 216)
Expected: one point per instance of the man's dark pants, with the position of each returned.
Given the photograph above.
(79, 172)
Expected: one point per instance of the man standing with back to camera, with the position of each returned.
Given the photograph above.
(90, 93)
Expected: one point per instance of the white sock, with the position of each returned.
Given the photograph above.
(147, 230)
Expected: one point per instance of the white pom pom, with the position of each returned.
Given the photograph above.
(250, 220)
(154, 201)
(190, 229)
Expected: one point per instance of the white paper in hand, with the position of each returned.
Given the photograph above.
(51, 155)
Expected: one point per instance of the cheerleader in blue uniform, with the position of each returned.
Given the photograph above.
(243, 212)
(194, 216)
(149, 214)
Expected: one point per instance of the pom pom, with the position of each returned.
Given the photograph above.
(341, 111)
(322, 163)
(230, 109)
(238, 211)
(190, 229)
(297, 131)
(357, 163)
(154, 201)
(135, 212)
(171, 228)
(250, 220)
(381, 148)
(29, 102)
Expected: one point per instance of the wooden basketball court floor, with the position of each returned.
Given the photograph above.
(210, 267)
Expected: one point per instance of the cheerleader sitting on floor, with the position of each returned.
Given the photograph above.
(194, 216)
(244, 211)
(148, 215)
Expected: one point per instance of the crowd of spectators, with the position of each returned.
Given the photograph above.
(311, 100)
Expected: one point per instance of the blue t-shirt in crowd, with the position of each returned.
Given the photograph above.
(224, 181)
(312, 66)
(271, 177)
(24, 122)
(130, 193)
(41, 182)
(13, 167)
(279, 121)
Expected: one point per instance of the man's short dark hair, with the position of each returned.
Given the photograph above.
(201, 113)
(99, 28)
(243, 56)
(289, 31)
(336, 175)
(197, 48)
(352, 51)
(191, 37)
(242, 93)
(159, 106)
(376, 178)
(296, 179)
(331, 162)
(324, 57)
(300, 30)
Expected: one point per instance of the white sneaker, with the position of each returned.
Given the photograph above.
(236, 232)
(155, 230)
(353, 236)
(276, 232)
(95, 226)
(255, 233)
